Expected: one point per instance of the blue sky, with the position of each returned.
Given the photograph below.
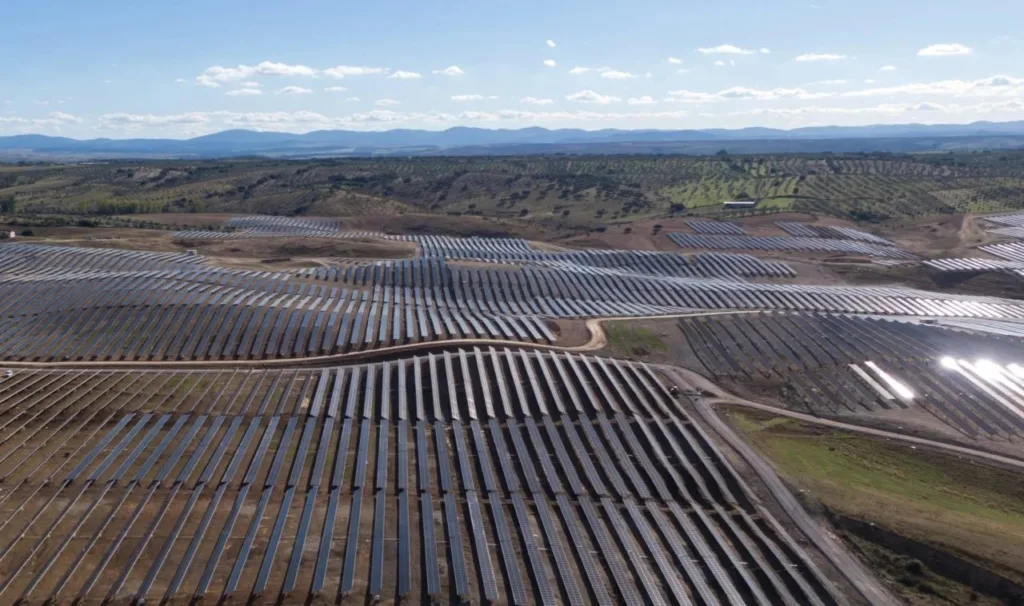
(119, 69)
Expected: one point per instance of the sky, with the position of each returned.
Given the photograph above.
(120, 69)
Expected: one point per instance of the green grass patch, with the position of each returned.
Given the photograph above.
(628, 339)
(974, 510)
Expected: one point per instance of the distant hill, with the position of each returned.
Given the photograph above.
(534, 140)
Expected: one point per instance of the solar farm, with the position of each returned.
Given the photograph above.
(451, 427)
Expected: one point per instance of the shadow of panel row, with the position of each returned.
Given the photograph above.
(472, 476)
(836, 365)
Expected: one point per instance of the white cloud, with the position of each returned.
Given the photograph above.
(814, 57)
(294, 90)
(335, 89)
(721, 63)
(135, 121)
(549, 62)
(869, 81)
(993, 86)
(742, 93)
(386, 102)
(463, 98)
(724, 49)
(244, 92)
(64, 117)
(765, 51)
(180, 81)
(944, 50)
(682, 71)
(404, 75)
(576, 71)
(451, 70)
(536, 101)
(352, 99)
(216, 75)
(887, 68)
(829, 83)
(645, 100)
(675, 60)
(550, 43)
(344, 71)
(613, 74)
(589, 96)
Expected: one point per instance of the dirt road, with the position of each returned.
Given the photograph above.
(855, 572)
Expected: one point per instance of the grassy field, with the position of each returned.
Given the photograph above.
(974, 511)
(627, 339)
(581, 191)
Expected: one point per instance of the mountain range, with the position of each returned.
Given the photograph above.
(533, 140)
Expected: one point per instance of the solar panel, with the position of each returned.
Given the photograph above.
(538, 571)
(565, 570)
(483, 555)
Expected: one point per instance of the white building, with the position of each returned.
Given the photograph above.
(739, 203)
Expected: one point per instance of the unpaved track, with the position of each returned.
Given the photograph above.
(598, 339)
(855, 572)
(723, 398)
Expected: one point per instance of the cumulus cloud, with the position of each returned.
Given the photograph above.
(550, 43)
(386, 102)
(614, 74)
(675, 60)
(578, 70)
(589, 96)
(216, 75)
(765, 51)
(887, 68)
(352, 99)
(829, 82)
(335, 89)
(721, 63)
(404, 75)
(549, 62)
(944, 50)
(180, 81)
(993, 86)
(64, 117)
(294, 90)
(742, 93)
(536, 101)
(345, 71)
(135, 121)
(244, 92)
(464, 98)
(815, 57)
(645, 100)
(724, 49)
(451, 70)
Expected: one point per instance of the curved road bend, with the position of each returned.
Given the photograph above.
(598, 339)
(855, 572)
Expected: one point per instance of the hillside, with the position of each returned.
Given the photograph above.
(463, 141)
(577, 192)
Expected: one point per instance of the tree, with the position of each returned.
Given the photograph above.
(9, 205)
